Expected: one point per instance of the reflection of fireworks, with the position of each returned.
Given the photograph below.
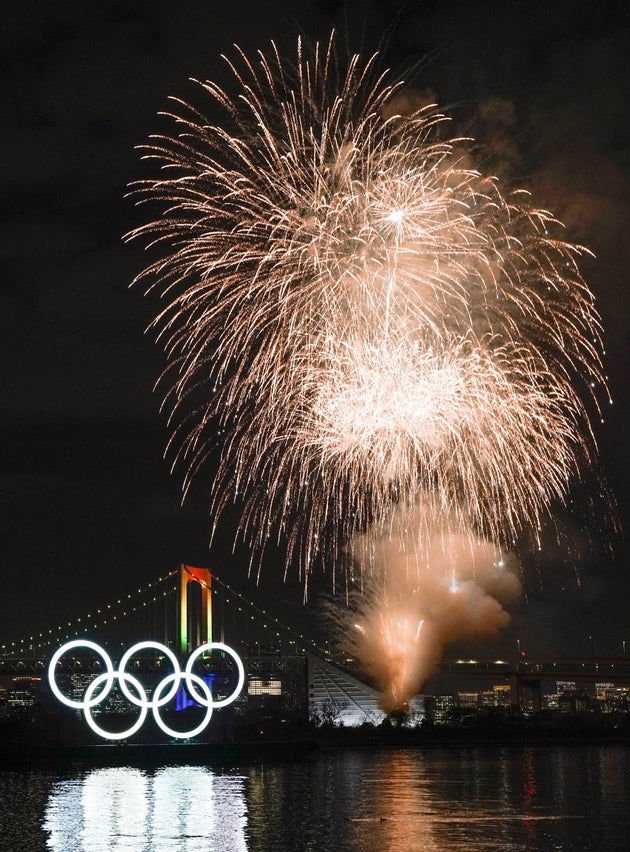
(370, 316)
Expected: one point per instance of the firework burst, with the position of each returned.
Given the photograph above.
(372, 320)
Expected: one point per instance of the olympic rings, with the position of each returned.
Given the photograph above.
(162, 694)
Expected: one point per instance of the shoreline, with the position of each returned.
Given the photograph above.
(22, 754)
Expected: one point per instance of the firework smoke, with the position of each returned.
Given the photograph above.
(371, 323)
(428, 586)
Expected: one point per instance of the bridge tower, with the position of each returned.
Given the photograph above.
(195, 608)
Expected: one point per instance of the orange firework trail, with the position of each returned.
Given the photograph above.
(373, 320)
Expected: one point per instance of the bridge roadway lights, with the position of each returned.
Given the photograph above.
(100, 687)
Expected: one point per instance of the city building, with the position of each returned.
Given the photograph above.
(23, 693)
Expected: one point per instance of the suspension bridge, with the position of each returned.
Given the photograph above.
(190, 605)
(177, 609)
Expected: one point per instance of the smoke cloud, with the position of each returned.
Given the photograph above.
(422, 592)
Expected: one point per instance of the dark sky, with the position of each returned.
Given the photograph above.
(88, 507)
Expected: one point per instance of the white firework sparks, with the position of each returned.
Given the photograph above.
(373, 320)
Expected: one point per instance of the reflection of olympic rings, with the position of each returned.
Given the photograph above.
(134, 692)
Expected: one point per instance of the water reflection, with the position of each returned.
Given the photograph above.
(398, 803)
(175, 808)
(443, 800)
(468, 800)
(358, 800)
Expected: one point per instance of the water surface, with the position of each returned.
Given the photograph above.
(390, 800)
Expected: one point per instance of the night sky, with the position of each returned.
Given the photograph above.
(88, 506)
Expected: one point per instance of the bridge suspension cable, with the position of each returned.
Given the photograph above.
(108, 615)
(267, 620)
(151, 609)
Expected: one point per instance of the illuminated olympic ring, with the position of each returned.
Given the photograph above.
(164, 691)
